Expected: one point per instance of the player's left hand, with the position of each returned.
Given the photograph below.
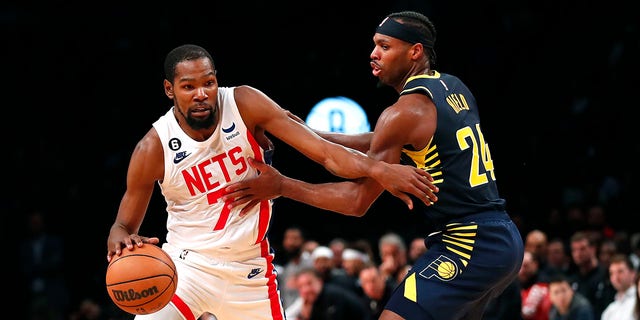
(403, 181)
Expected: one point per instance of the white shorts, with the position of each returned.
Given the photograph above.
(226, 288)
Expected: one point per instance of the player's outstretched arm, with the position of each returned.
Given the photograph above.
(359, 141)
(348, 197)
(259, 111)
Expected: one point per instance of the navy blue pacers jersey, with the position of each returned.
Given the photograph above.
(458, 156)
(476, 250)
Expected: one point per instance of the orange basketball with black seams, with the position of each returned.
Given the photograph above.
(142, 280)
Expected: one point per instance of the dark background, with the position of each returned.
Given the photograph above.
(555, 83)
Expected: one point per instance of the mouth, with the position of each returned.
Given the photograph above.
(375, 68)
(201, 111)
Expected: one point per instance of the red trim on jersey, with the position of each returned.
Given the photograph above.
(263, 221)
(182, 307)
(274, 297)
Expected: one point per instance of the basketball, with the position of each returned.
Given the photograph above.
(142, 280)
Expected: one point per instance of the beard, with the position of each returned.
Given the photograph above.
(199, 123)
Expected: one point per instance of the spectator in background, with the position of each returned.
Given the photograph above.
(307, 249)
(337, 245)
(591, 278)
(417, 248)
(623, 278)
(534, 290)
(322, 301)
(568, 304)
(42, 265)
(558, 258)
(393, 256)
(353, 261)
(291, 249)
(364, 246)
(607, 249)
(536, 242)
(376, 288)
(292, 245)
(322, 261)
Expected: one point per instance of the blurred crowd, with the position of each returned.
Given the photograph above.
(578, 265)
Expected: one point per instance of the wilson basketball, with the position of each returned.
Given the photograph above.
(142, 280)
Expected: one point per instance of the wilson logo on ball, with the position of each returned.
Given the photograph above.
(132, 295)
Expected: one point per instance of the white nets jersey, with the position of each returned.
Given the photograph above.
(195, 172)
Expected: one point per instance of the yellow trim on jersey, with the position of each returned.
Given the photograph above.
(427, 159)
(435, 75)
(410, 288)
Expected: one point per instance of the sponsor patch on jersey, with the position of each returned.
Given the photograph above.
(230, 128)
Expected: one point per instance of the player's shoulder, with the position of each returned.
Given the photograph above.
(248, 96)
(150, 142)
(243, 90)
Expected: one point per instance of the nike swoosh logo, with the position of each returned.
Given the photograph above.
(180, 156)
(254, 273)
(231, 128)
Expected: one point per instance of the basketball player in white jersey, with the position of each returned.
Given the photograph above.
(201, 144)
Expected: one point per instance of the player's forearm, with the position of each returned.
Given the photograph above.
(350, 163)
(328, 196)
(360, 142)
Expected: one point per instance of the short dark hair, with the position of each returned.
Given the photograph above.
(182, 53)
(624, 259)
(559, 277)
(423, 24)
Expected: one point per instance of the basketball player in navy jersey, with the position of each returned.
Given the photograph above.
(475, 249)
(199, 145)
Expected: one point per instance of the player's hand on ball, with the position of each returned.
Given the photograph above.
(121, 238)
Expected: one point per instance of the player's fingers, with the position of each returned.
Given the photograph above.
(234, 187)
(424, 173)
(232, 203)
(134, 239)
(151, 240)
(428, 190)
(236, 191)
(427, 181)
(405, 198)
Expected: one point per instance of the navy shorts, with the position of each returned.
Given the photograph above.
(471, 261)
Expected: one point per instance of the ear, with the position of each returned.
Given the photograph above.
(417, 51)
(168, 89)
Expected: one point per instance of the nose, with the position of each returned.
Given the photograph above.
(201, 93)
(374, 54)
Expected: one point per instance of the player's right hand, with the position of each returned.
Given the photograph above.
(120, 238)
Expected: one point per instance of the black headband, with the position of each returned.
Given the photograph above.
(395, 29)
